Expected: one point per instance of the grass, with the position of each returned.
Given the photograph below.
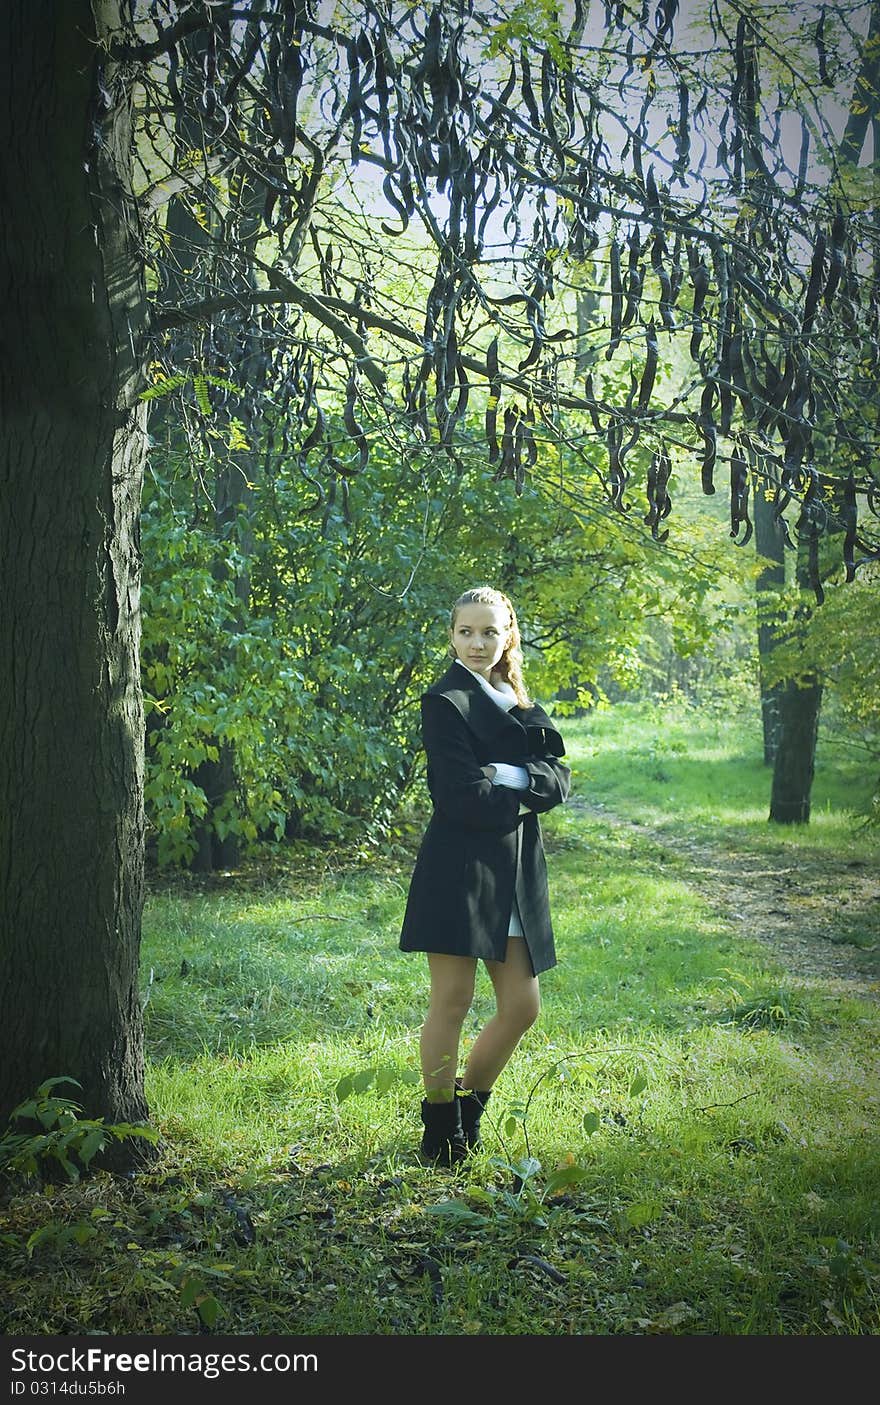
(701, 1122)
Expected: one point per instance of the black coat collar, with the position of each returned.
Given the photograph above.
(485, 717)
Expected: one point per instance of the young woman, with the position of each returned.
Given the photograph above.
(479, 887)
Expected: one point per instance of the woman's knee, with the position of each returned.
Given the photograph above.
(521, 1010)
(452, 987)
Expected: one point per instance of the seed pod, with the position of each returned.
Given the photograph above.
(814, 286)
(700, 280)
(650, 371)
(739, 494)
(492, 402)
(353, 427)
(528, 95)
(710, 437)
(659, 501)
(591, 405)
(616, 300)
(635, 279)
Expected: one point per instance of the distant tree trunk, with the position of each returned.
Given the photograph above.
(795, 763)
(71, 463)
(799, 703)
(769, 544)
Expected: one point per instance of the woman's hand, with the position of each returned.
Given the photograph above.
(488, 772)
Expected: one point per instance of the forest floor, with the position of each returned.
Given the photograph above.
(802, 913)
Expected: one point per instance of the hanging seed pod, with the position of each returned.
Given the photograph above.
(548, 96)
(616, 477)
(795, 440)
(814, 286)
(710, 437)
(507, 463)
(700, 279)
(659, 501)
(658, 252)
(616, 301)
(313, 439)
(494, 398)
(353, 104)
(650, 371)
(353, 427)
(682, 134)
(739, 494)
(527, 92)
(592, 406)
(635, 279)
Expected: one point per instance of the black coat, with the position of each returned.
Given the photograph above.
(477, 845)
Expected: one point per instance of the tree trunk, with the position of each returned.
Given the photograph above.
(800, 700)
(769, 544)
(73, 443)
(799, 703)
(795, 764)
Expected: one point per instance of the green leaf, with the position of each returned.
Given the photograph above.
(640, 1213)
(457, 1210)
(591, 1123)
(385, 1079)
(344, 1087)
(638, 1085)
(566, 1175)
(361, 1081)
(200, 386)
(190, 1289)
(209, 1310)
(91, 1144)
(40, 1236)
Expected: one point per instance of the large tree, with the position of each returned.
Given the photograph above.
(73, 444)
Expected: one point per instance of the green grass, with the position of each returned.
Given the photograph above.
(714, 1114)
(678, 768)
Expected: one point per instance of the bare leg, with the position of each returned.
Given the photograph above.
(452, 990)
(518, 1004)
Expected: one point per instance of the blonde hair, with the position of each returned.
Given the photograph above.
(510, 664)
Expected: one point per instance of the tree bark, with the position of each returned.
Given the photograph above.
(799, 705)
(71, 466)
(800, 700)
(769, 544)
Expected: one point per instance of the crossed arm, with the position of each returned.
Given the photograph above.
(463, 789)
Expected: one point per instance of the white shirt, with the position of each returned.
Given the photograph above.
(514, 777)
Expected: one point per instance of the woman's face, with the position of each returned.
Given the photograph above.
(479, 636)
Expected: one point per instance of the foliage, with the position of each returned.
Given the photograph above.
(312, 679)
(556, 305)
(66, 1139)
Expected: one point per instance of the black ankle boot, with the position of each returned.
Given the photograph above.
(473, 1104)
(443, 1139)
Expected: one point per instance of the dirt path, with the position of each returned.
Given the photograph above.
(821, 921)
